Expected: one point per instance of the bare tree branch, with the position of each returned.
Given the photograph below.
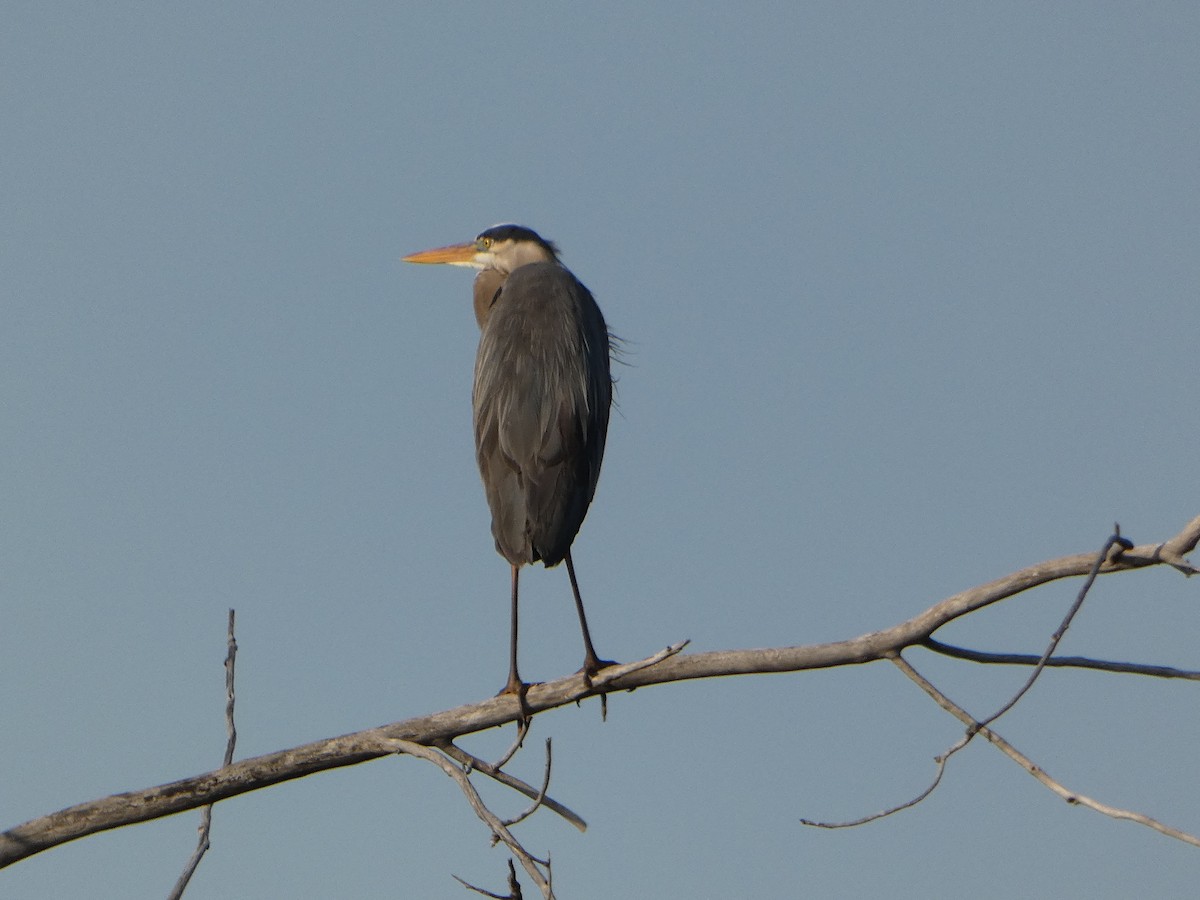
(1032, 768)
(440, 728)
(1039, 666)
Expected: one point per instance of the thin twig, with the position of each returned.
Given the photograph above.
(937, 779)
(230, 695)
(523, 724)
(607, 676)
(1065, 662)
(540, 798)
(1115, 540)
(599, 682)
(514, 886)
(1072, 797)
(202, 843)
(470, 763)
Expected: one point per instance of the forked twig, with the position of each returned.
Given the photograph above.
(471, 762)
(1039, 663)
(532, 865)
(974, 727)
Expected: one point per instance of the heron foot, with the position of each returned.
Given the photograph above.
(592, 666)
(519, 689)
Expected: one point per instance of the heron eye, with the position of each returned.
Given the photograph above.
(483, 243)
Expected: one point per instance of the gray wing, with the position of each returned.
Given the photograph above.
(541, 400)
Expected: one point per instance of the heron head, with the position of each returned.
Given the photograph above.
(501, 247)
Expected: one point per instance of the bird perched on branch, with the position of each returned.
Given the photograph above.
(541, 402)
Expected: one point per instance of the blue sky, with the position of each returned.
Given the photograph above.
(909, 296)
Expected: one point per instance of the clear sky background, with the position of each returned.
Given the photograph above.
(909, 293)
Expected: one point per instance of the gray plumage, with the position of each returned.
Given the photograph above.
(541, 404)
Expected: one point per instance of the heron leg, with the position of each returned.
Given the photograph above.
(591, 662)
(515, 684)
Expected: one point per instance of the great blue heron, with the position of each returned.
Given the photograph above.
(541, 401)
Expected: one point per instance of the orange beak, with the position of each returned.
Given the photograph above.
(455, 254)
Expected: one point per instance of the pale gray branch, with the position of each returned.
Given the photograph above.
(1073, 797)
(442, 727)
(1039, 664)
